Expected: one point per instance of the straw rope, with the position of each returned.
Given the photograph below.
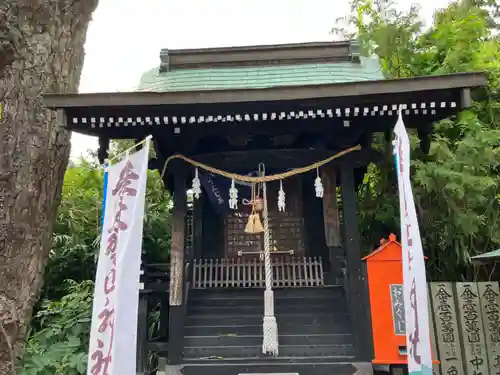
(266, 178)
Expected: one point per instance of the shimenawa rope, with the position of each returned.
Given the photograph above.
(266, 178)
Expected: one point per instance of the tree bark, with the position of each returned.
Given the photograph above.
(41, 50)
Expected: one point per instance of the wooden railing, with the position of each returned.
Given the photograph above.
(249, 273)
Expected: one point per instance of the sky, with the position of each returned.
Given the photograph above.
(125, 36)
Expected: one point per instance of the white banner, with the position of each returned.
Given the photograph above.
(418, 341)
(113, 335)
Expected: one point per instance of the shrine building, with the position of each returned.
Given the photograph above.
(280, 107)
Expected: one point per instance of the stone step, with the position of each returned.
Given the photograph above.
(302, 329)
(234, 340)
(255, 351)
(256, 319)
(269, 360)
(259, 292)
(312, 308)
(312, 367)
(291, 301)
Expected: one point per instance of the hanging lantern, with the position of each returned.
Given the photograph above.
(196, 184)
(233, 196)
(281, 198)
(318, 185)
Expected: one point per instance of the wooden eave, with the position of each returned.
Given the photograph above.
(371, 105)
(400, 90)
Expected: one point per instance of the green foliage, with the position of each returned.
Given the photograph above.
(457, 185)
(76, 230)
(59, 344)
(58, 341)
(383, 30)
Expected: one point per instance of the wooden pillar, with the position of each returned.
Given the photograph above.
(176, 295)
(332, 222)
(142, 335)
(103, 150)
(356, 278)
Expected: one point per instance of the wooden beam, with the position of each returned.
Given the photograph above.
(356, 90)
(331, 129)
(332, 126)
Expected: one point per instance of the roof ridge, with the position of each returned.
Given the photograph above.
(259, 55)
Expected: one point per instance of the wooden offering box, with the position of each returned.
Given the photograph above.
(385, 281)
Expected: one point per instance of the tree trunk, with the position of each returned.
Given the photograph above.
(41, 50)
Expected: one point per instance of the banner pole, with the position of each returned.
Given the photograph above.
(105, 191)
(127, 151)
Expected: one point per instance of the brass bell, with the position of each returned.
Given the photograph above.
(258, 204)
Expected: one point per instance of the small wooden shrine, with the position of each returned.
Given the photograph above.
(283, 106)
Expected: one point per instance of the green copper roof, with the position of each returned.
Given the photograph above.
(261, 76)
(492, 255)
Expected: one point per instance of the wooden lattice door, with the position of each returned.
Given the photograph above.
(286, 228)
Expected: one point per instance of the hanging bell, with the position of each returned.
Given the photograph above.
(254, 225)
(258, 204)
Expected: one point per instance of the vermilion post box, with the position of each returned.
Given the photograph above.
(385, 281)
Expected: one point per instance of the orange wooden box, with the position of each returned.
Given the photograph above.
(385, 281)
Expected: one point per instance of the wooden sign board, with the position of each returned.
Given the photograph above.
(398, 309)
(436, 370)
(489, 296)
(471, 329)
(447, 333)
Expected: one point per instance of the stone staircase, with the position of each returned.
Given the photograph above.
(223, 333)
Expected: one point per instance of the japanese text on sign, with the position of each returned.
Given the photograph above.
(101, 358)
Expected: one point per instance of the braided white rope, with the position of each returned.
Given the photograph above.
(267, 255)
(270, 327)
